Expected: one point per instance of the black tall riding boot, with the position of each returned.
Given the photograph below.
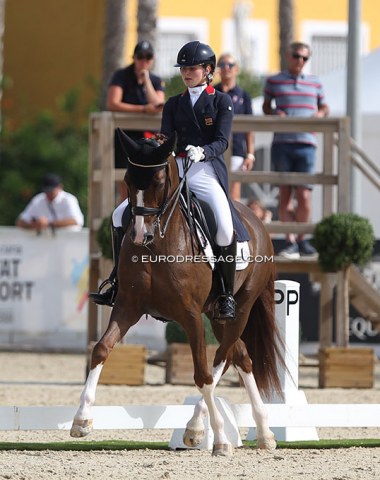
(108, 297)
(224, 308)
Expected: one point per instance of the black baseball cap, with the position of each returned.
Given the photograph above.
(50, 182)
(144, 48)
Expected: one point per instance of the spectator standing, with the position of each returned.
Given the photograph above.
(52, 208)
(243, 149)
(299, 95)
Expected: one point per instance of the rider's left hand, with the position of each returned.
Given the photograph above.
(195, 154)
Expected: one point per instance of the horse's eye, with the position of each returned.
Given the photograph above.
(159, 183)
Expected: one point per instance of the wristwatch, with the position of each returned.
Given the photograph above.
(251, 156)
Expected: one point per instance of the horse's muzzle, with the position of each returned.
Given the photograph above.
(145, 239)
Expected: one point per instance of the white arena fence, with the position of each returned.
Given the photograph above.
(137, 417)
(291, 418)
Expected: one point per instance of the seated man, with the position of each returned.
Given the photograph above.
(52, 208)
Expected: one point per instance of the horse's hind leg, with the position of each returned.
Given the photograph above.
(264, 436)
(83, 422)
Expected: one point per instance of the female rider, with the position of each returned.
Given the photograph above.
(202, 118)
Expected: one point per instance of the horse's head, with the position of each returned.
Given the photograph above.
(148, 181)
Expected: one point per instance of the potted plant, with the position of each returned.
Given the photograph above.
(342, 240)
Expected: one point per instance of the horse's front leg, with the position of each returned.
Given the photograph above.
(206, 384)
(117, 328)
(222, 446)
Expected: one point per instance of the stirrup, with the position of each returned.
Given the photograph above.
(106, 298)
(224, 307)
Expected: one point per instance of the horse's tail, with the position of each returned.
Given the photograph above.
(264, 342)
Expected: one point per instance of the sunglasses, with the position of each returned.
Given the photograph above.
(297, 56)
(144, 57)
(226, 64)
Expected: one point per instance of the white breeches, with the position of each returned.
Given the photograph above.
(117, 215)
(204, 183)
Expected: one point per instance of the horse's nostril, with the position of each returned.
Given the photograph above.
(148, 237)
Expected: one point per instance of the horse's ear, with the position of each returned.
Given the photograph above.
(128, 145)
(167, 147)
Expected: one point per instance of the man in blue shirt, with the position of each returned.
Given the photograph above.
(292, 93)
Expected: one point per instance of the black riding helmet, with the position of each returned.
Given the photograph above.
(195, 53)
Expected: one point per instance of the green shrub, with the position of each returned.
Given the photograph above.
(343, 239)
(176, 334)
(49, 143)
(104, 237)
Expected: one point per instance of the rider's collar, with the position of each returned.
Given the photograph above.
(198, 89)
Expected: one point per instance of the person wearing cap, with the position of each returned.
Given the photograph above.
(243, 148)
(52, 208)
(136, 89)
(202, 118)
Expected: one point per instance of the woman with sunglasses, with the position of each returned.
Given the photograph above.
(243, 150)
(293, 93)
(202, 118)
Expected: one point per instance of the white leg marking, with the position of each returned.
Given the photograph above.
(139, 220)
(200, 412)
(216, 419)
(87, 398)
(265, 437)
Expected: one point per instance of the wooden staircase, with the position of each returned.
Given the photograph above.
(364, 297)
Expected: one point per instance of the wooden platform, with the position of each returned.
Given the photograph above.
(346, 368)
(124, 366)
(179, 366)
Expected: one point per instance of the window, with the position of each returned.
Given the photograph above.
(329, 53)
(172, 34)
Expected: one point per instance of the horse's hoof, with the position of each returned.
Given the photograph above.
(223, 450)
(81, 428)
(193, 438)
(266, 443)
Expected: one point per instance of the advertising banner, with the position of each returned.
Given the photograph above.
(43, 289)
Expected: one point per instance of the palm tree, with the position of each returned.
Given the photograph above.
(114, 42)
(147, 21)
(285, 17)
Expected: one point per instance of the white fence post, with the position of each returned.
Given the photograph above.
(287, 297)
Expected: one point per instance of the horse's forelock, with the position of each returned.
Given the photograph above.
(141, 178)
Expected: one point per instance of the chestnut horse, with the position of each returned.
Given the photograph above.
(181, 290)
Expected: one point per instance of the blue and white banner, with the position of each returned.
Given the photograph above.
(43, 288)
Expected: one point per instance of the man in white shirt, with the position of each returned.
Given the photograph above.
(52, 208)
